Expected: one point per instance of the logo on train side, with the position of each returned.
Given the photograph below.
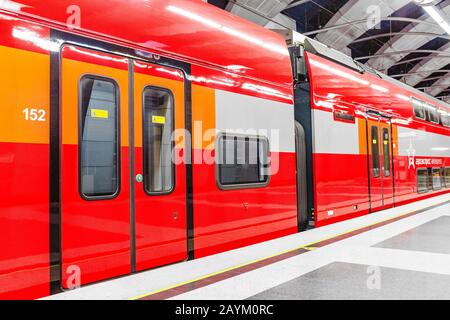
(411, 155)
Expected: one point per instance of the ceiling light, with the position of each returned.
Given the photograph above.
(434, 13)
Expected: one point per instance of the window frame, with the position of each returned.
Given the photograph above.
(432, 178)
(240, 186)
(415, 101)
(378, 152)
(441, 117)
(174, 178)
(447, 185)
(426, 190)
(432, 109)
(383, 130)
(118, 133)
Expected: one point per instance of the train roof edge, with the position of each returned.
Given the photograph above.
(189, 30)
(294, 38)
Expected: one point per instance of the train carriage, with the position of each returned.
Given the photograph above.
(371, 142)
(108, 128)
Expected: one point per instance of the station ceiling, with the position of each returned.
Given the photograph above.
(405, 43)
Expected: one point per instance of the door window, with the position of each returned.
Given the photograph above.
(375, 152)
(99, 137)
(243, 161)
(386, 153)
(159, 169)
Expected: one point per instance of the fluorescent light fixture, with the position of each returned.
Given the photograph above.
(298, 37)
(434, 13)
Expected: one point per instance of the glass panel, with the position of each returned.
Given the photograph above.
(419, 111)
(386, 153)
(443, 177)
(437, 179)
(375, 152)
(445, 119)
(447, 177)
(422, 180)
(430, 178)
(99, 149)
(159, 169)
(264, 156)
(432, 113)
(229, 173)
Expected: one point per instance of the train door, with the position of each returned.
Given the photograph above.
(160, 170)
(380, 162)
(95, 189)
(123, 196)
(387, 162)
(302, 186)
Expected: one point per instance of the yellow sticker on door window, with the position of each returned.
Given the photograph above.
(99, 114)
(158, 120)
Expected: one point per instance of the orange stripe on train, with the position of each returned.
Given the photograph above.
(25, 92)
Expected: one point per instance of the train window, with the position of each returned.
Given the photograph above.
(436, 179)
(159, 169)
(430, 179)
(243, 161)
(98, 138)
(419, 111)
(422, 180)
(433, 115)
(375, 152)
(386, 153)
(445, 118)
(447, 177)
(443, 177)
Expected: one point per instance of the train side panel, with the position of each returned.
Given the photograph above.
(228, 219)
(222, 101)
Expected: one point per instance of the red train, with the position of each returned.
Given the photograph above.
(371, 142)
(113, 134)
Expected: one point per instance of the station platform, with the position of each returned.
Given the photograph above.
(400, 253)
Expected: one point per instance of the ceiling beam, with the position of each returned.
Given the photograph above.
(404, 53)
(400, 75)
(403, 42)
(355, 10)
(263, 12)
(362, 21)
(408, 34)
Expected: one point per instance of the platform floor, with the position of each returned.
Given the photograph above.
(400, 253)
